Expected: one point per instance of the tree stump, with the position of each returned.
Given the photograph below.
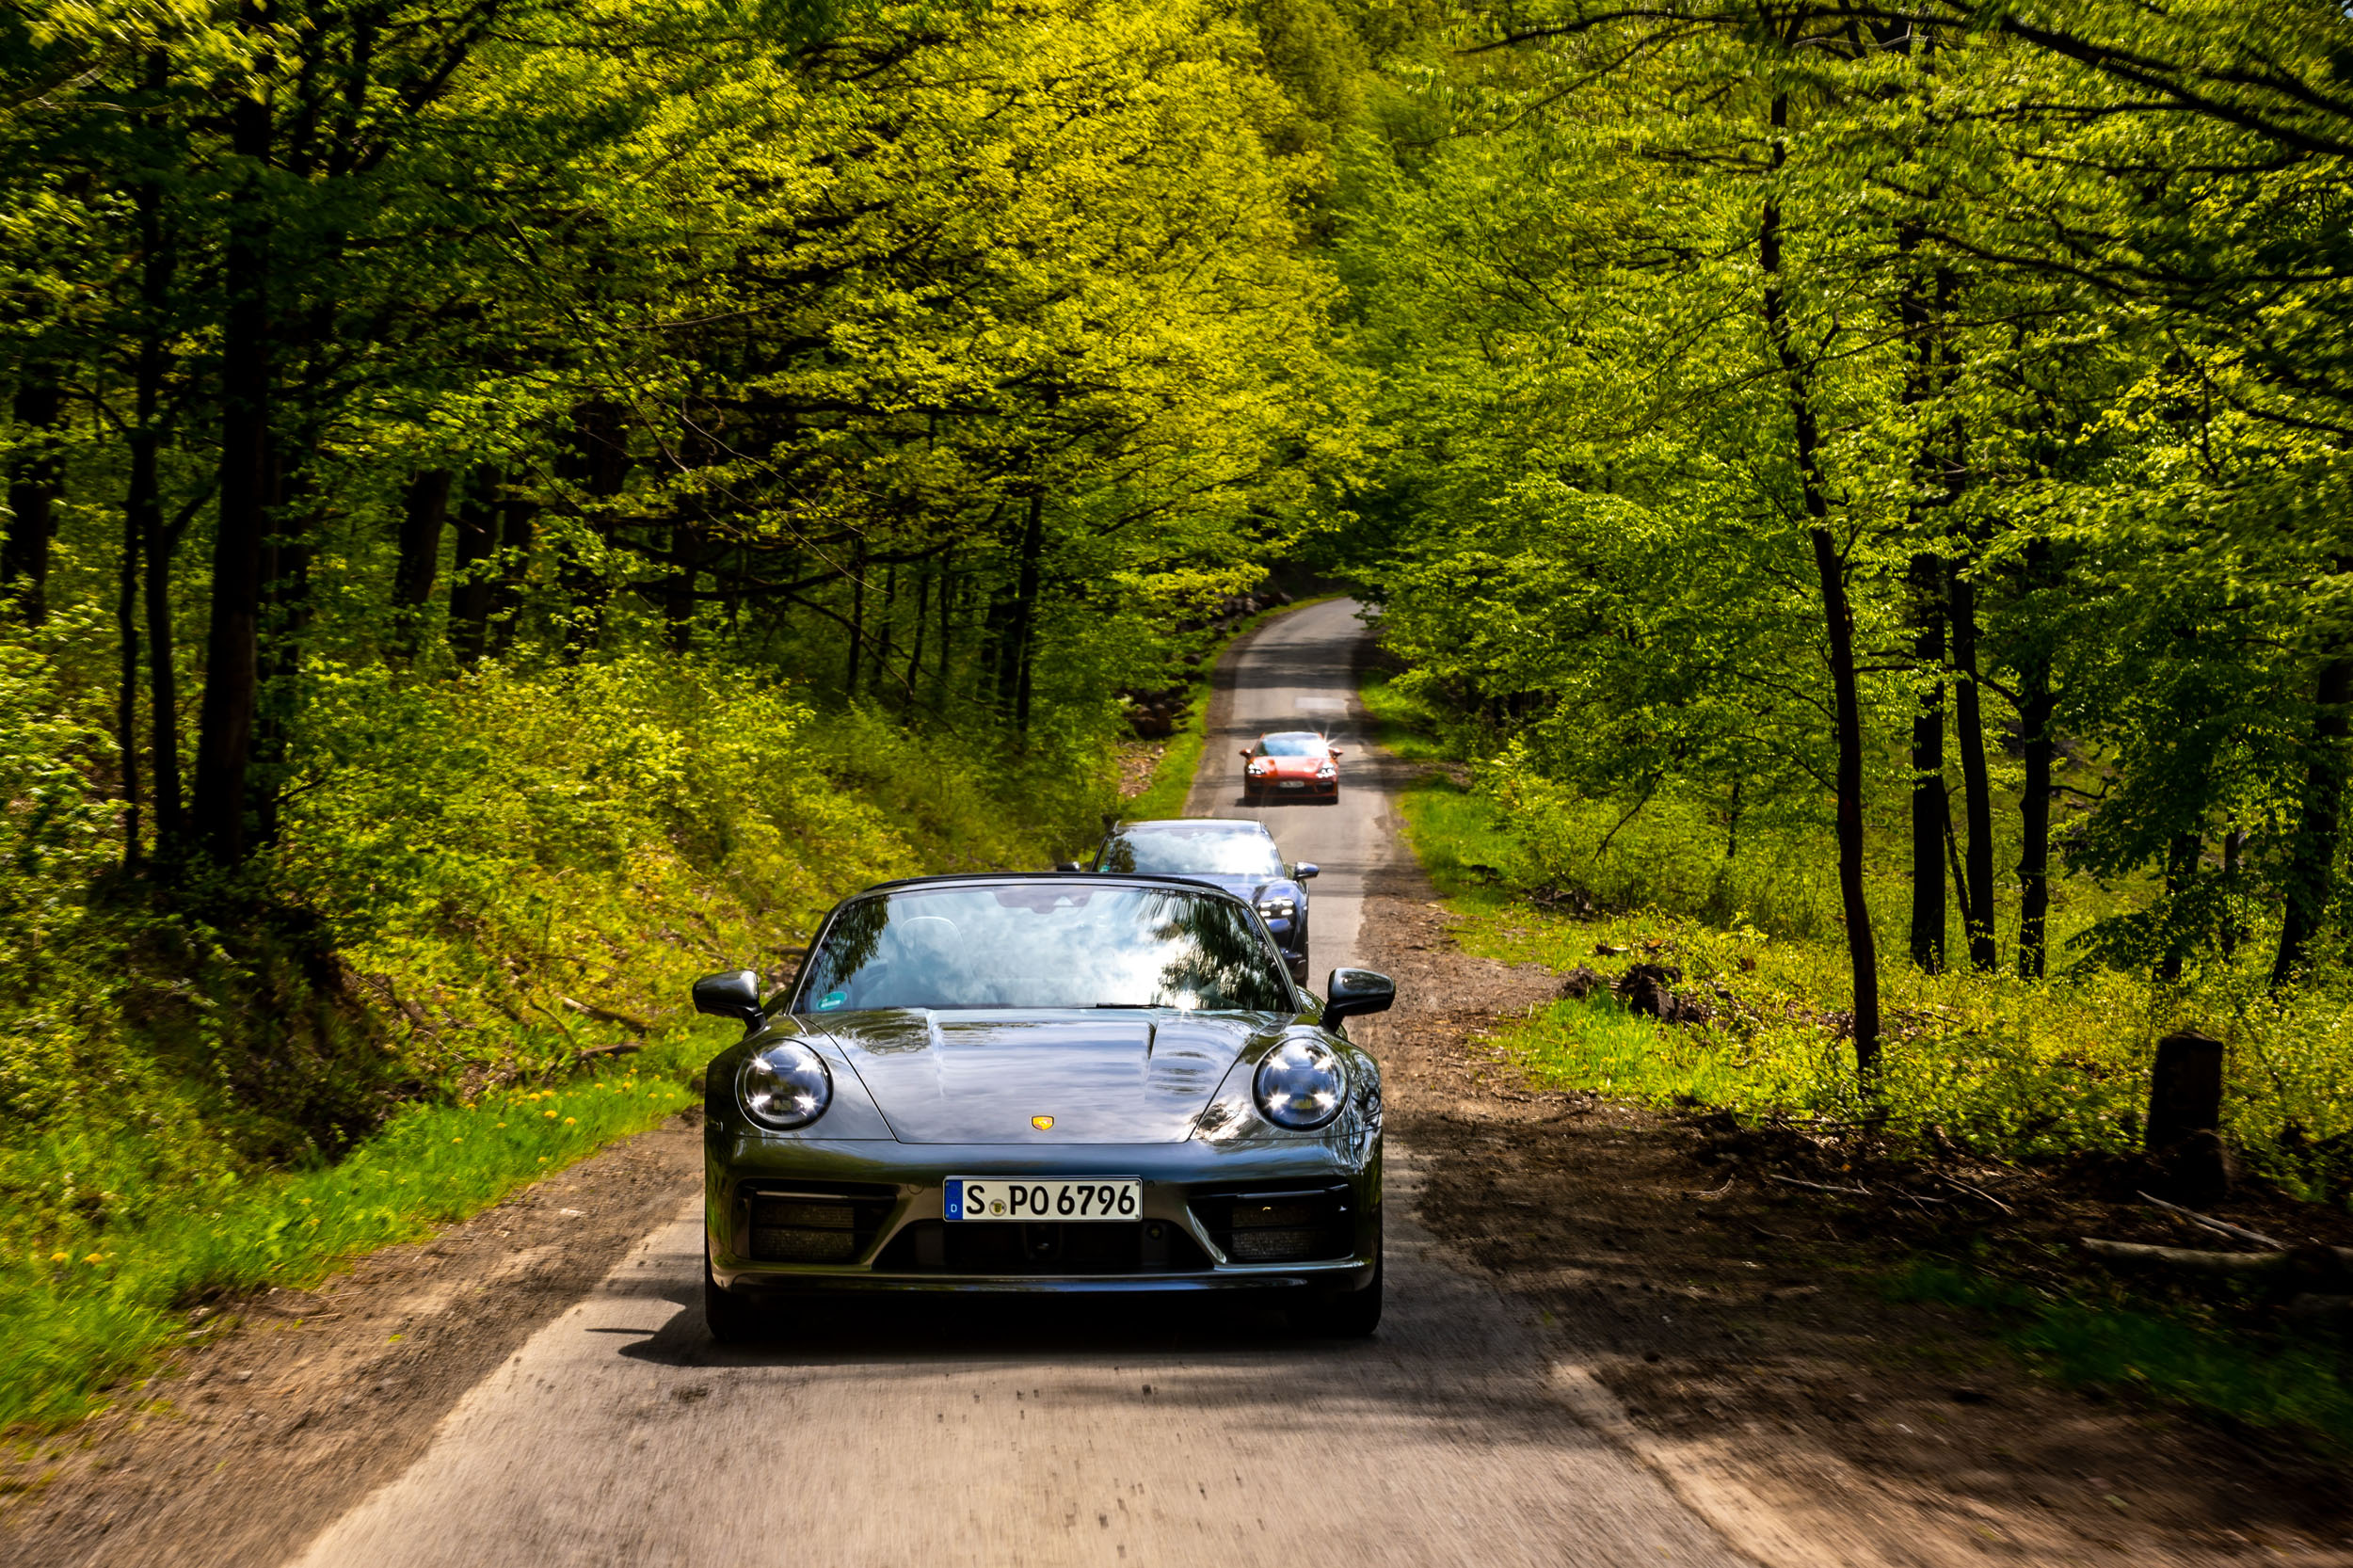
(2185, 1137)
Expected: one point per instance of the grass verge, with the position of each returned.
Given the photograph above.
(2286, 1383)
(70, 1325)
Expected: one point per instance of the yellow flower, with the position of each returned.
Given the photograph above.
(458, 1139)
(95, 1257)
(568, 1121)
(549, 1114)
(60, 1257)
(544, 1160)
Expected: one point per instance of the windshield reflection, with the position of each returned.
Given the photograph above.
(1044, 945)
(1187, 851)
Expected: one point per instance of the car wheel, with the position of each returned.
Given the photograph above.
(1350, 1315)
(732, 1319)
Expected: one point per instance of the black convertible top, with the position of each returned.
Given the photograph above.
(1091, 879)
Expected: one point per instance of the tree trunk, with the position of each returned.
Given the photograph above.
(286, 557)
(159, 541)
(945, 668)
(517, 520)
(857, 620)
(224, 750)
(1838, 625)
(2181, 874)
(2233, 846)
(1928, 809)
(471, 565)
(678, 607)
(34, 481)
(424, 515)
(1977, 792)
(1025, 611)
(2313, 852)
(127, 679)
(916, 625)
(2036, 706)
(598, 464)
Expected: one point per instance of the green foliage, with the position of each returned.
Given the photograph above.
(601, 486)
(1657, 299)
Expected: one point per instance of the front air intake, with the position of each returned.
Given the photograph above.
(825, 1224)
(1289, 1226)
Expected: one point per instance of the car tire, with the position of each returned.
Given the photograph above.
(1348, 1315)
(732, 1319)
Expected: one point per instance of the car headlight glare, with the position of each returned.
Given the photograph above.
(1277, 909)
(787, 1085)
(1300, 1085)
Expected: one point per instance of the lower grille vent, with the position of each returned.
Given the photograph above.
(989, 1247)
(1293, 1225)
(824, 1223)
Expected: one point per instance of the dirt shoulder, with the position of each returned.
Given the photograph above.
(1753, 1359)
(295, 1405)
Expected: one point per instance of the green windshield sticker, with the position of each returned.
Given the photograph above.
(832, 999)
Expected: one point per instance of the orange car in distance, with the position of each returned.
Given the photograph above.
(1295, 764)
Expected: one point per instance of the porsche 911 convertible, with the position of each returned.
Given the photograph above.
(1044, 1084)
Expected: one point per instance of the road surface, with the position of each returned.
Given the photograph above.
(1087, 1432)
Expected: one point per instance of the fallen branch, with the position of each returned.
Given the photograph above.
(1819, 1187)
(606, 1016)
(1960, 1185)
(2314, 1261)
(2186, 1258)
(2220, 1227)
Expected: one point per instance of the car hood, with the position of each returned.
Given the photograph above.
(972, 1077)
(1289, 767)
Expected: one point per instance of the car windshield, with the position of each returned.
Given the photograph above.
(1291, 746)
(1188, 849)
(1044, 944)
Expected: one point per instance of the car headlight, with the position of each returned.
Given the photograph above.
(1277, 909)
(1257, 767)
(1300, 1085)
(1327, 771)
(787, 1085)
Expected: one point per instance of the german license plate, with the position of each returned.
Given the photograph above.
(1294, 783)
(1012, 1198)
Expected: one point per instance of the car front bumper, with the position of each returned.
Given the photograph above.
(903, 1241)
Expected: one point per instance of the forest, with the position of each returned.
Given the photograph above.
(513, 503)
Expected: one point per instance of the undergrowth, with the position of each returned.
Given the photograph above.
(2015, 1070)
(480, 888)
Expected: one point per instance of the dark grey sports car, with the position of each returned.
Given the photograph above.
(1044, 1083)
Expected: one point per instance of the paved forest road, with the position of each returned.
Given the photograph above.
(1041, 1433)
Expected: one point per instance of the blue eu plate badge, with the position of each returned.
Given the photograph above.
(955, 1198)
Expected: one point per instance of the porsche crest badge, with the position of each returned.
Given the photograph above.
(1042, 1123)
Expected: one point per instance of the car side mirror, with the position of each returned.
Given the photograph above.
(1336, 753)
(732, 995)
(1304, 871)
(1350, 993)
(1069, 866)
(1243, 754)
